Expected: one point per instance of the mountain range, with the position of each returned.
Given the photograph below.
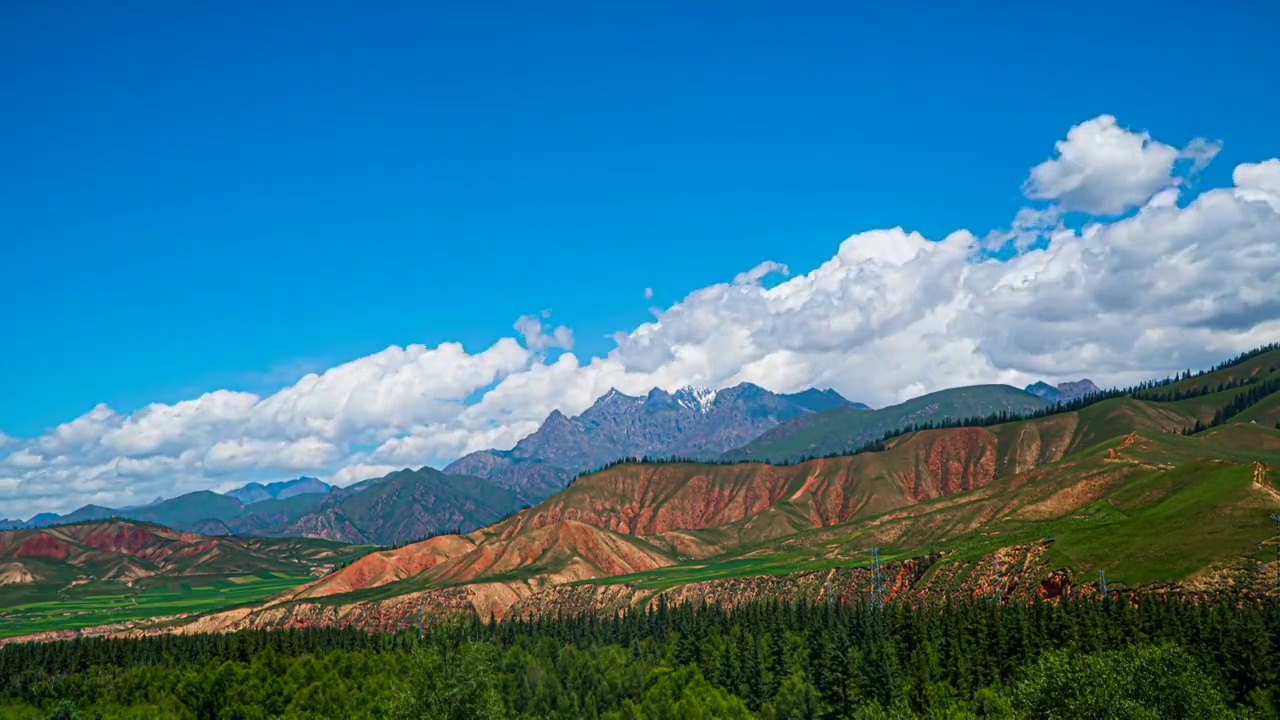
(1167, 487)
(401, 506)
(486, 485)
(690, 422)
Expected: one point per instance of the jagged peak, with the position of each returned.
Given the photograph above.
(695, 398)
(615, 395)
(1063, 390)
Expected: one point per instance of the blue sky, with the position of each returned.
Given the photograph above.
(200, 197)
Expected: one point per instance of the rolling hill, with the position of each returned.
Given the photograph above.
(126, 550)
(105, 570)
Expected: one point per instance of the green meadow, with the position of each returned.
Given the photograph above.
(119, 604)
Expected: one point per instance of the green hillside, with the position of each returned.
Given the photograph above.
(847, 429)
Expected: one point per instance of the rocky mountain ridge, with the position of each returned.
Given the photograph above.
(689, 422)
(1064, 391)
(257, 492)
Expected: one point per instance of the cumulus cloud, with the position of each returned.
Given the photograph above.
(289, 455)
(1263, 177)
(1178, 282)
(356, 472)
(1104, 169)
(648, 293)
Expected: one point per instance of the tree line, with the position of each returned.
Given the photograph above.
(1258, 391)
(1162, 657)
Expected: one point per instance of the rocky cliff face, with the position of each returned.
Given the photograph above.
(1063, 392)
(691, 422)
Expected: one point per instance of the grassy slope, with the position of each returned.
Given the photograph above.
(1265, 413)
(1256, 367)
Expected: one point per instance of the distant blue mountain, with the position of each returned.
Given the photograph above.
(819, 400)
(256, 492)
(1062, 392)
(156, 501)
(280, 503)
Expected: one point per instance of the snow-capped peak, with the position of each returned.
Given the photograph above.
(695, 398)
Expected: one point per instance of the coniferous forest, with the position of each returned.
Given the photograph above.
(1160, 658)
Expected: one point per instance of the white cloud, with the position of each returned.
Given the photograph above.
(760, 272)
(648, 293)
(290, 455)
(81, 434)
(890, 315)
(377, 395)
(24, 458)
(1263, 177)
(1200, 152)
(361, 471)
(160, 428)
(539, 336)
(1104, 169)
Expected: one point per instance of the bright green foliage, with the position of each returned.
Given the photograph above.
(797, 699)
(451, 681)
(1160, 683)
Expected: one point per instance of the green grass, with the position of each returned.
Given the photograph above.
(1169, 525)
(117, 604)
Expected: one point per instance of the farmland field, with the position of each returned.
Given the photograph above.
(116, 603)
